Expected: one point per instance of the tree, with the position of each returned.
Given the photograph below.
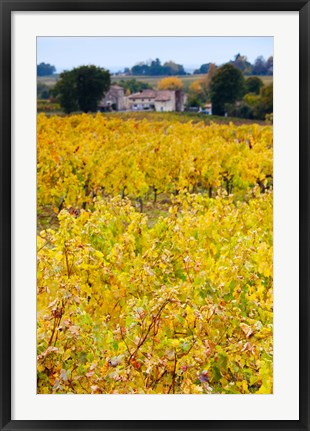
(204, 68)
(269, 66)
(266, 101)
(140, 69)
(241, 62)
(260, 66)
(65, 92)
(133, 86)
(240, 110)
(45, 69)
(42, 91)
(255, 106)
(155, 68)
(199, 92)
(211, 72)
(82, 88)
(253, 85)
(227, 86)
(172, 68)
(170, 83)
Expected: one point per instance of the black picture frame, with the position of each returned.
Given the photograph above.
(6, 8)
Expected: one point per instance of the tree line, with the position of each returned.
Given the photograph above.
(230, 93)
(260, 67)
(155, 68)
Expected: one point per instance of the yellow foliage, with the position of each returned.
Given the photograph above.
(170, 83)
(182, 304)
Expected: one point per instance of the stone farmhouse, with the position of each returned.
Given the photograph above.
(146, 100)
(160, 100)
(114, 100)
(142, 101)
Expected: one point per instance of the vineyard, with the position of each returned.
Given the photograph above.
(154, 256)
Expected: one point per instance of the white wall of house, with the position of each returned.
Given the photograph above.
(127, 102)
(165, 106)
(165, 101)
(141, 103)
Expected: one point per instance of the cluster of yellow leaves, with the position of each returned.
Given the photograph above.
(170, 83)
(201, 86)
(182, 307)
(82, 157)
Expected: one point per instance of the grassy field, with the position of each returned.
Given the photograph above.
(50, 81)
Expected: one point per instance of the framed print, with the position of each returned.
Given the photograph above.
(154, 215)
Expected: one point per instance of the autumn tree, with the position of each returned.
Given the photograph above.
(197, 94)
(199, 89)
(82, 88)
(170, 83)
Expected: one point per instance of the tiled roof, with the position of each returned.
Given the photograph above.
(145, 94)
(163, 96)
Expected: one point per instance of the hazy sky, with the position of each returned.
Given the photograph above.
(115, 53)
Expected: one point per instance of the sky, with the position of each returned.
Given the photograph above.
(115, 53)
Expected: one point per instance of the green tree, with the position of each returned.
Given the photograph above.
(269, 65)
(266, 102)
(45, 69)
(155, 68)
(133, 86)
(172, 68)
(203, 69)
(65, 92)
(255, 106)
(260, 66)
(227, 86)
(42, 91)
(82, 88)
(267, 98)
(241, 62)
(253, 85)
